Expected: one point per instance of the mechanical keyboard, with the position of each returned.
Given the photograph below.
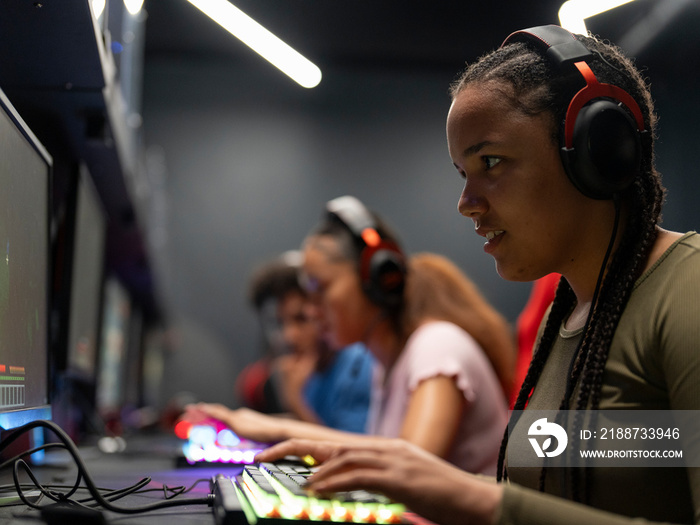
(273, 493)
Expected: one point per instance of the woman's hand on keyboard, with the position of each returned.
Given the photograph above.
(320, 451)
(246, 423)
(402, 471)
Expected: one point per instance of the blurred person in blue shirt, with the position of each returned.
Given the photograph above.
(301, 374)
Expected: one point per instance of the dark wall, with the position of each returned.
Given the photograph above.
(250, 159)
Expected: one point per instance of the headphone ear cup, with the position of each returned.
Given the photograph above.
(383, 273)
(606, 153)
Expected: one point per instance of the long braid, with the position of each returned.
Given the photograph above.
(580, 356)
(619, 283)
(563, 300)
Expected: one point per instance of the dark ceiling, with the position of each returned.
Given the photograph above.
(392, 33)
(361, 32)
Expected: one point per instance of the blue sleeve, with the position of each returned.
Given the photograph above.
(340, 395)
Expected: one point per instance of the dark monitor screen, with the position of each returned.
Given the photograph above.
(86, 281)
(25, 169)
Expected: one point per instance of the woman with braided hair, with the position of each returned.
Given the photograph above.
(553, 134)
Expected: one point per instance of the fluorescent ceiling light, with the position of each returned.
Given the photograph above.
(98, 6)
(260, 40)
(133, 6)
(572, 14)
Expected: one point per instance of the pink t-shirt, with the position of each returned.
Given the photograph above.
(440, 348)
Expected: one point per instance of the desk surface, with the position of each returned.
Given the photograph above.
(152, 457)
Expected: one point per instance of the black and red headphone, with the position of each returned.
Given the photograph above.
(601, 145)
(382, 264)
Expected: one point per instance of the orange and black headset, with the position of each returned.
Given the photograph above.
(382, 264)
(601, 138)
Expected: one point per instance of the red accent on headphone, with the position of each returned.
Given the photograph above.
(592, 90)
(371, 237)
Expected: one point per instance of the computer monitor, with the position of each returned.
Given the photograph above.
(90, 227)
(25, 171)
(113, 353)
(79, 253)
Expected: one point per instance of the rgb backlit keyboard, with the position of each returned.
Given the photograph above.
(216, 443)
(274, 492)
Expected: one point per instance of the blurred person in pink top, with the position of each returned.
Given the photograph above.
(445, 357)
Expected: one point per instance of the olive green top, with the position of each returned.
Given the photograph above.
(654, 364)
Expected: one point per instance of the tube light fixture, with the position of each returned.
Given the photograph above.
(262, 41)
(98, 6)
(133, 6)
(572, 14)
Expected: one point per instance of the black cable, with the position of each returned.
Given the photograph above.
(83, 475)
(18, 457)
(172, 492)
(113, 495)
(29, 452)
(106, 492)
